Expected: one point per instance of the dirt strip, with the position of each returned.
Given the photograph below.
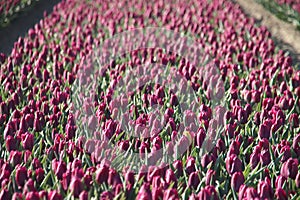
(26, 20)
(285, 35)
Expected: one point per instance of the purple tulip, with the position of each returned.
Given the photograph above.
(76, 187)
(290, 168)
(28, 141)
(53, 195)
(84, 195)
(233, 164)
(265, 190)
(32, 196)
(171, 194)
(102, 174)
(237, 180)
(21, 176)
(194, 180)
(280, 194)
(170, 177)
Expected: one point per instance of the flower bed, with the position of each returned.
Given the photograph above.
(45, 154)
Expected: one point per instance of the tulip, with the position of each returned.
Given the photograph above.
(106, 195)
(16, 196)
(171, 194)
(28, 141)
(178, 168)
(11, 143)
(15, 157)
(298, 180)
(114, 178)
(194, 180)
(59, 169)
(265, 190)
(4, 194)
(129, 177)
(233, 164)
(170, 177)
(157, 193)
(290, 168)
(53, 195)
(144, 192)
(32, 196)
(29, 186)
(237, 180)
(39, 174)
(280, 194)
(21, 176)
(280, 181)
(190, 165)
(84, 195)
(264, 131)
(102, 174)
(76, 187)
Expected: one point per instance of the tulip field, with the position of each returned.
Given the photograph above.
(160, 99)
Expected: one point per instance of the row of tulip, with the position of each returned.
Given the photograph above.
(45, 153)
(286, 10)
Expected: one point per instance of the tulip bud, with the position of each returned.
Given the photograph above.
(114, 178)
(144, 192)
(298, 180)
(4, 194)
(178, 168)
(21, 176)
(171, 194)
(190, 165)
(28, 141)
(194, 180)
(281, 194)
(76, 187)
(32, 196)
(210, 176)
(15, 158)
(129, 177)
(157, 193)
(106, 195)
(84, 195)
(265, 157)
(54, 195)
(170, 177)
(102, 174)
(39, 175)
(16, 196)
(59, 169)
(251, 193)
(237, 180)
(233, 164)
(264, 131)
(290, 168)
(265, 190)
(11, 143)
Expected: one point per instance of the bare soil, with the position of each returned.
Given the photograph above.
(284, 34)
(22, 23)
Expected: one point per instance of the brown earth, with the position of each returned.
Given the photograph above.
(285, 34)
